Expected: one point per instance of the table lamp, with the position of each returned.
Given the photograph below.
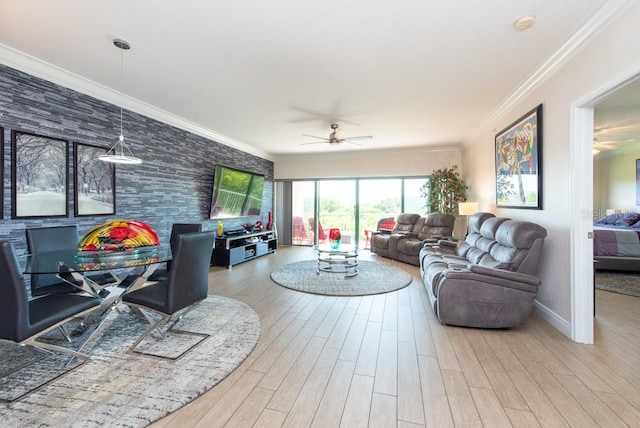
(466, 209)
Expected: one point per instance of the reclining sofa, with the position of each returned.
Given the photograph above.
(489, 279)
(410, 234)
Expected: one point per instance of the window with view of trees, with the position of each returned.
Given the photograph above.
(354, 206)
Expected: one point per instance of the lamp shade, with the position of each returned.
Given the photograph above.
(467, 208)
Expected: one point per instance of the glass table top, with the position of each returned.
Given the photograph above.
(89, 261)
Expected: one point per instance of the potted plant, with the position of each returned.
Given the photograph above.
(443, 190)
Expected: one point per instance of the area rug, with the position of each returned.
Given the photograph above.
(121, 388)
(619, 282)
(372, 278)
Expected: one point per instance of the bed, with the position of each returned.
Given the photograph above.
(616, 242)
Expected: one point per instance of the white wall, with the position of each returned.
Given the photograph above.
(609, 56)
(614, 182)
(401, 162)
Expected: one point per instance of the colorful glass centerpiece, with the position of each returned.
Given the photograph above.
(119, 235)
(334, 237)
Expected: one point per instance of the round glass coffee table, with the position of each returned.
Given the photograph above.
(341, 260)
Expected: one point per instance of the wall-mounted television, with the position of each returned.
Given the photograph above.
(236, 193)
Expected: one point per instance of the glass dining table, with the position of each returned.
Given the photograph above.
(74, 267)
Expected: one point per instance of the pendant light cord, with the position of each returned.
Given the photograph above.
(120, 152)
(121, 87)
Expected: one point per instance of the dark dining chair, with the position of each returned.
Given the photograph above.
(22, 320)
(176, 229)
(186, 286)
(55, 238)
(45, 239)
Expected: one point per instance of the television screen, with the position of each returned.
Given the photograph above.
(236, 193)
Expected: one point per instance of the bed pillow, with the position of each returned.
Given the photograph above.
(620, 219)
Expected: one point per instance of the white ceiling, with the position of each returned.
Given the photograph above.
(616, 121)
(258, 74)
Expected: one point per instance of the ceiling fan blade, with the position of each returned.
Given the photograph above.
(362, 137)
(354, 144)
(315, 136)
(617, 141)
(314, 142)
(605, 146)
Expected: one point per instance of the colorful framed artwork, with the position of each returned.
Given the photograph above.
(519, 163)
(94, 182)
(39, 175)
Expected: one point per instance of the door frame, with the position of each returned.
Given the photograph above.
(581, 160)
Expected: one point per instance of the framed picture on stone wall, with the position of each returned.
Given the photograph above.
(95, 182)
(39, 175)
(2, 171)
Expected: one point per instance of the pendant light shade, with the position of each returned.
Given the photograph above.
(120, 152)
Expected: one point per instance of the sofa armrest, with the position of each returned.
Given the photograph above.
(507, 274)
(382, 232)
(439, 246)
(498, 277)
(445, 243)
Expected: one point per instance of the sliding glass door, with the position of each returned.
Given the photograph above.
(336, 208)
(378, 199)
(302, 212)
(355, 206)
(413, 202)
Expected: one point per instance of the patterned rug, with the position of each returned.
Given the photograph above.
(619, 282)
(121, 388)
(372, 278)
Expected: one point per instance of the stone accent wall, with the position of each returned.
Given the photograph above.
(173, 185)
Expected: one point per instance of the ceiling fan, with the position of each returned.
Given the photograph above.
(335, 139)
(612, 144)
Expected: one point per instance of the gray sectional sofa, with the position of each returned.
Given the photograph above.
(489, 279)
(410, 234)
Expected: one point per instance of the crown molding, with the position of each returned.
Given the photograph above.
(368, 154)
(51, 73)
(602, 19)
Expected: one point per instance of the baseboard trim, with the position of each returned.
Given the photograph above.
(553, 318)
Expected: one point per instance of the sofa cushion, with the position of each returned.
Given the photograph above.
(476, 221)
(406, 222)
(490, 227)
(409, 246)
(519, 234)
(487, 260)
(418, 225)
(435, 225)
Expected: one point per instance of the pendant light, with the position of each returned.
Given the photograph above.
(120, 152)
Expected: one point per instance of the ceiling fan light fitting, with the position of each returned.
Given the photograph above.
(334, 139)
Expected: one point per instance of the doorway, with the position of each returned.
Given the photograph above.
(582, 135)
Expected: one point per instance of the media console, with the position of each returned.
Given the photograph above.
(232, 249)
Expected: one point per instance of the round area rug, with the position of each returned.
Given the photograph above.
(121, 388)
(372, 278)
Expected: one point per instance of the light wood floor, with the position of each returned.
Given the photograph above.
(385, 361)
